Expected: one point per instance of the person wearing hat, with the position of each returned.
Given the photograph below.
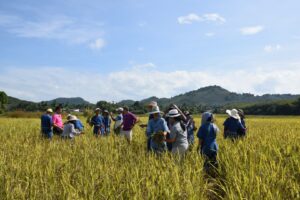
(178, 133)
(77, 124)
(106, 122)
(97, 122)
(240, 132)
(157, 130)
(208, 146)
(190, 126)
(69, 131)
(58, 125)
(118, 121)
(150, 106)
(46, 124)
(232, 125)
(129, 121)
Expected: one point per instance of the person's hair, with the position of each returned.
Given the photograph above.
(179, 119)
(57, 108)
(126, 108)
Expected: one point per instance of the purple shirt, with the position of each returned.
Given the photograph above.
(129, 120)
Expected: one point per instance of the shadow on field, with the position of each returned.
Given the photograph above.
(216, 181)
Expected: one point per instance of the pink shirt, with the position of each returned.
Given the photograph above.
(57, 120)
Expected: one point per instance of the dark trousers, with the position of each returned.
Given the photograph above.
(57, 131)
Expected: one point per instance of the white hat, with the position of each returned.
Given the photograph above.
(49, 110)
(120, 109)
(153, 104)
(173, 113)
(154, 110)
(233, 113)
(97, 109)
(72, 118)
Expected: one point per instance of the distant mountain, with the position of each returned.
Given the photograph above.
(18, 104)
(216, 96)
(69, 101)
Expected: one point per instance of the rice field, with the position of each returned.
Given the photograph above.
(266, 165)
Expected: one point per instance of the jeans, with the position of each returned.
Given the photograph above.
(47, 133)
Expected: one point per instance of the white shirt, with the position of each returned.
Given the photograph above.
(69, 131)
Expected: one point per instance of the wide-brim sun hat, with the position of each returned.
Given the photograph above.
(97, 109)
(155, 110)
(173, 113)
(72, 118)
(120, 109)
(49, 110)
(152, 104)
(233, 113)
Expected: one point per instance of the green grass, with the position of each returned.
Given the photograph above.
(266, 165)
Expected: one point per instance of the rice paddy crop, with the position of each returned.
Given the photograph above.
(265, 165)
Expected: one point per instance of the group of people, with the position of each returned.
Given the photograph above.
(52, 123)
(172, 130)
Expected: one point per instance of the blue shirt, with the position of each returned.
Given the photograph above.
(157, 125)
(46, 122)
(78, 125)
(97, 120)
(106, 121)
(208, 134)
(233, 125)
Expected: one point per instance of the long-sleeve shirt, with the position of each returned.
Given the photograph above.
(70, 131)
(157, 125)
(46, 122)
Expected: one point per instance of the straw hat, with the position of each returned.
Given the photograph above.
(120, 109)
(97, 109)
(72, 118)
(152, 104)
(154, 110)
(49, 110)
(233, 113)
(173, 113)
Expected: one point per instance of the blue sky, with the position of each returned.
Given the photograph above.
(133, 49)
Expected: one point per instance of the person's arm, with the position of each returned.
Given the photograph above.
(200, 136)
(172, 136)
(112, 117)
(74, 131)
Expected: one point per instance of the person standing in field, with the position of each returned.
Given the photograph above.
(178, 133)
(107, 122)
(46, 124)
(232, 125)
(156, 132)
(190, 126)
(69, 131)
(183, 119)
(208, 146)
(118, 121)
(97, 122)
(58, 125)
(241, 132)
(129, 121)
(150, 106)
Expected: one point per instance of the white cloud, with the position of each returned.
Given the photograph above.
(214, 17)
(60, 27)
(272, 48)
(97, 44)
(251, 30)
(188, 19)
(209, 17)
(210, 34)
(142, 81)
